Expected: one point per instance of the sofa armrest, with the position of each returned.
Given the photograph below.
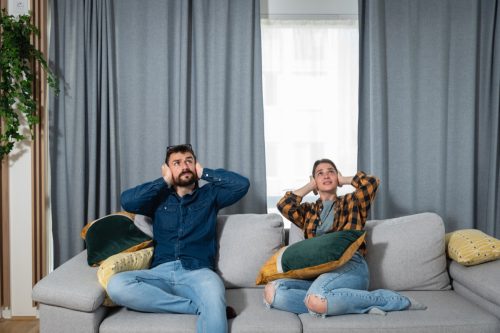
(480, 284)
(73, 285)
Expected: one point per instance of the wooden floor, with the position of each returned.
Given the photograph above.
(19, 326)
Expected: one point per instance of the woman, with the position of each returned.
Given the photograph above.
(343, 290)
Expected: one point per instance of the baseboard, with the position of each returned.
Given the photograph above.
(21, 318)
(6, 313)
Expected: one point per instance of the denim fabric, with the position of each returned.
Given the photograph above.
(184, 228)
(345, 290)
(170, 288)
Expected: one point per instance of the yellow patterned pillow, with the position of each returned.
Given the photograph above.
(122, 262)
(471, 247)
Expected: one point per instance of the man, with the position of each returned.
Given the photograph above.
(181, 278)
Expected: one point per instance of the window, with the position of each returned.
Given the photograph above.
(310, 79)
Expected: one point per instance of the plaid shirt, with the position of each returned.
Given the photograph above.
(351, 210)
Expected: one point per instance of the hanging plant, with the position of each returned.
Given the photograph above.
(17, 56)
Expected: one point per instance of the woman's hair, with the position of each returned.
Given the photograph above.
(323, 160)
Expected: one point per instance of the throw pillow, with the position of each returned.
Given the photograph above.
(471, 247)
(112, 234)
(122, 262)
(407, 253)
(260, 235)
(311, 257)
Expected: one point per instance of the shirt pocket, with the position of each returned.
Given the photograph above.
(168, 217)
(199, 205)
(198, 214)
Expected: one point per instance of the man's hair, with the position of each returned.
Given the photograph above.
(184, 148)
(323, 160)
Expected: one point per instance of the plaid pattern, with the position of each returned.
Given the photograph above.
(351, 210)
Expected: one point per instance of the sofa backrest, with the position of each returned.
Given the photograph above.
(404, 253)
(246, 241)
(407, 253)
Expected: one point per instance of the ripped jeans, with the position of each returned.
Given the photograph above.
(345, 290)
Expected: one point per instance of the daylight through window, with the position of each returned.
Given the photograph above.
(310, 78)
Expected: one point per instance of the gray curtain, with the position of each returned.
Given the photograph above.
(429, 108)
(139, 76)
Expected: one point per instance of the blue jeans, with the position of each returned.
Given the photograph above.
(172, 289)
(345, 290)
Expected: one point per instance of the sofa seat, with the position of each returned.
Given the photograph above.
(446, 312)
(252, 317)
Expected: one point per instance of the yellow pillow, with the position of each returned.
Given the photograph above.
(122, 262)
(471, 247)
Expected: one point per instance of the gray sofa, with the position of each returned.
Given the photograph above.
(405, 254)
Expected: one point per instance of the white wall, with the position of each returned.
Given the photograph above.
(20, 228)
(20, 214)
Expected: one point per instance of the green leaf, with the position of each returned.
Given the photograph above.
(16, 98)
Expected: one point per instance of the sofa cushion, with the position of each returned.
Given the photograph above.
(122, 320)
(252, 316)
(311, 257)
(407, 253)
(245, 243)
(446, 312)
(295, 234)
(472, 247)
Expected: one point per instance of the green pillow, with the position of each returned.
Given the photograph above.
(113, 234)
(311, 257)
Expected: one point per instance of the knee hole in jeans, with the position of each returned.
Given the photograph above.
(316, 304)
(269, 292)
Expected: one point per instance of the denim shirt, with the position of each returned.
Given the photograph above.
(184, 228)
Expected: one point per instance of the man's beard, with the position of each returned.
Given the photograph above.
(185, 182)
